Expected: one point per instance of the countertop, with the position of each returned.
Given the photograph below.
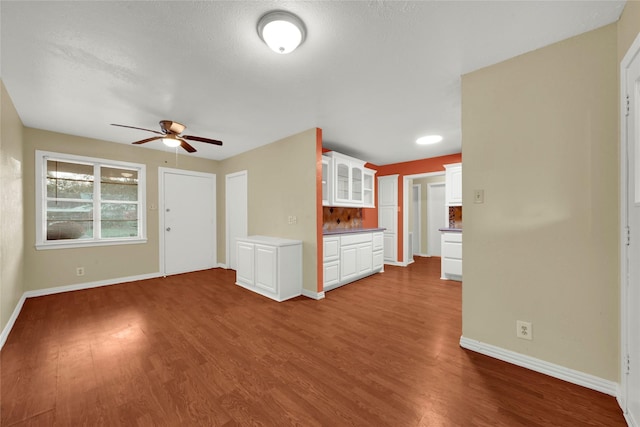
(268, 240)
(451, 230)
(350, 230)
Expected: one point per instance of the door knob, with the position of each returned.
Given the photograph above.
(168, 228)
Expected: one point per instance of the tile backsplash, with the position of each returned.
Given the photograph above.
(455, 216)
(334, 218)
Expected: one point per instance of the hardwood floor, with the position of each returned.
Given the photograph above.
(194, 349)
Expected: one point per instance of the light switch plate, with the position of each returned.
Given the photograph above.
(478, 196)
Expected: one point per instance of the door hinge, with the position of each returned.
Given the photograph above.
(628, 235)
(627, 112)
(628, 367)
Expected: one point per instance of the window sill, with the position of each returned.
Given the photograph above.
(69, 244)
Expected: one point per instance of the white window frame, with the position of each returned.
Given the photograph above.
(41, 202)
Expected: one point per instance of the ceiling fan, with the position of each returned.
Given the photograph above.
(171, 135)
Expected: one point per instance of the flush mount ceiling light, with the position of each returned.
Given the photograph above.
(429, 139)
(282, 31)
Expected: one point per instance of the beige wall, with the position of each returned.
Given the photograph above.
(11, 208)
(57, 267)
(540, 137)
(281, 182)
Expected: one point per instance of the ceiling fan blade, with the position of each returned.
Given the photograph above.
(201, 139)
(153, 138)
(184, 144)
(133, 127)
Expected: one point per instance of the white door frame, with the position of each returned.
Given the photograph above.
(430, 217)
(161, 211)
(417, 220)
(405, 211)
(625, 327)
(227, 226)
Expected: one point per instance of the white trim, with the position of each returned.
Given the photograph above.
(222, 265)
(417, 232)
(12, 320)
(313, 295)
(68, 288)
(405, 208)
(566, 374)
(41, 243)
(628, 58)
(89, 285)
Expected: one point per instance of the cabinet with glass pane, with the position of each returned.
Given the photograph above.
(349, 183)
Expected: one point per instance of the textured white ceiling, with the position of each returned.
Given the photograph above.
(374, 75)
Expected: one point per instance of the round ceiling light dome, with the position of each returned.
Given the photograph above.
(429, 139)
(282, 31)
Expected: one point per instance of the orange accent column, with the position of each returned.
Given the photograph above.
(320, 282)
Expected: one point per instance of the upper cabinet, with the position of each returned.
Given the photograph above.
(453, 183)
(348, 182)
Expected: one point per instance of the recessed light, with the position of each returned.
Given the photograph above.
(429, 139)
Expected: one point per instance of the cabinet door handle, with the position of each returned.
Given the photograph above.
(168, 228)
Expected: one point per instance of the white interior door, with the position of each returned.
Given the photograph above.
(630, 69)
(236, 202)
(188, 221)
(417, 218)
(436, 217)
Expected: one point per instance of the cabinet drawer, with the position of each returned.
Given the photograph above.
(331, 248)
(452, 266)
(452, 237)
(452, 250)
(352, 239)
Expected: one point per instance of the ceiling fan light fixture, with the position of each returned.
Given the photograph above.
(171, 141)
(282, 31)
(429, 139)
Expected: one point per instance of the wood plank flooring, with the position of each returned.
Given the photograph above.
(194, 349)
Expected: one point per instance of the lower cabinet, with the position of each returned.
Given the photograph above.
(270, 266)
(451, 260)
(352, 256)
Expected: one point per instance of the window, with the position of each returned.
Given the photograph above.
(83, 201)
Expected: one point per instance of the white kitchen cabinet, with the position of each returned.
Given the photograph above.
(360, 254)
(327, 193)
(453, 184)
(270, 266)
(349, 183)
(388, 215)
(331, 261)
(368, 188)
(451, 259)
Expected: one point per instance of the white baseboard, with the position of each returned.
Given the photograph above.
(12, 321)
(312, 295)
(60, 289)
(396, 263)
(89, 285)
(538, 365)
(222, 265)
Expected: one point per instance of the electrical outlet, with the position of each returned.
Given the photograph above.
(80, 271)
(524, 330)
(292, 219)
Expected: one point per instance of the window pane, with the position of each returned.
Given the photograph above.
(119, 220)
(69, 220)
(119, 184)
(69, 180)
